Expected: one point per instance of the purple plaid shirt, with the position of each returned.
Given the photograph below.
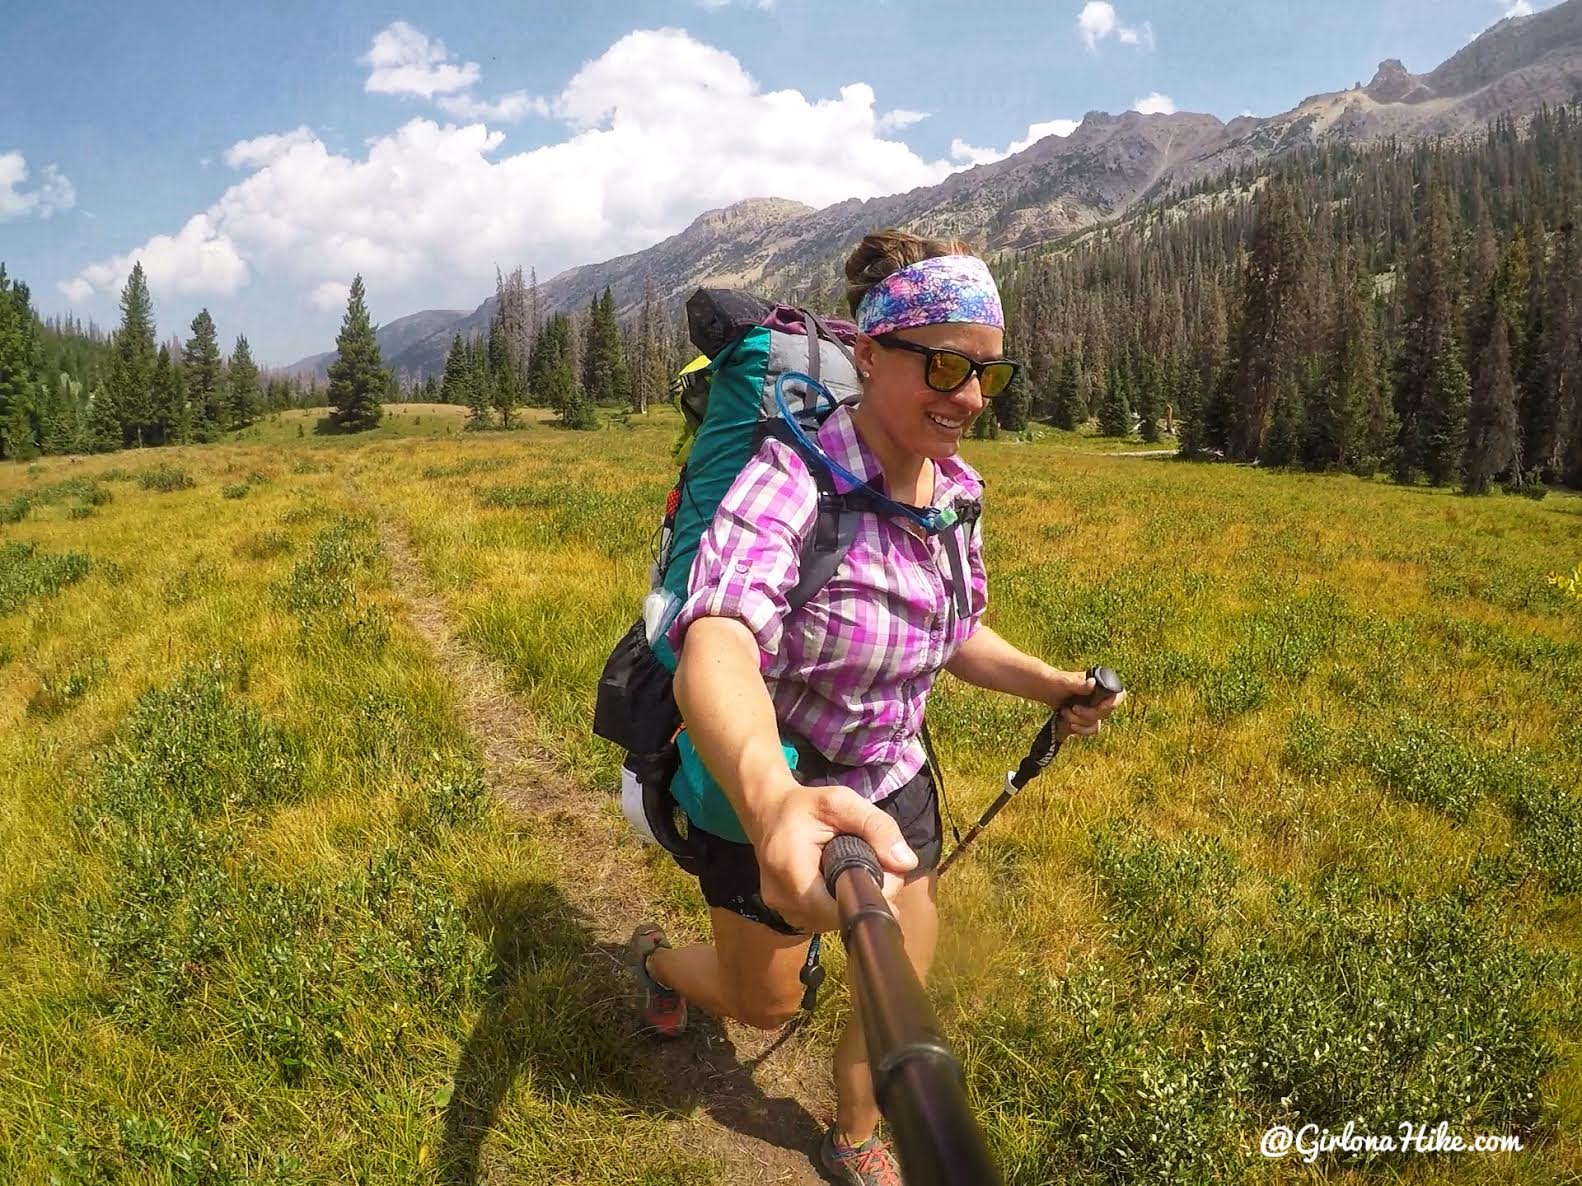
(848, 672)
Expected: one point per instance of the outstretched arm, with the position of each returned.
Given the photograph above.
(987, 661)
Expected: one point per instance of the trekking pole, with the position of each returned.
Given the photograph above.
(917, 1080)
(1045, 747)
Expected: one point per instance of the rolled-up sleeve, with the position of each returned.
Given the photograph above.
(749, 559)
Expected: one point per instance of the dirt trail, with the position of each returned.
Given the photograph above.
(762, 1123)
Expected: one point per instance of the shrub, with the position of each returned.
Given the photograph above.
(165, 478)
(26, 574)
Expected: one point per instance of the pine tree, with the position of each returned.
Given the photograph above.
(19, 370)
(1429, 325)
(1274, 316)
(1010, 408)
(357, 376)
(211, 402)
(169, 399)
(129, 399)
(1442, 433)
(1189, 422)
(1115, 410)
(246, 400)
(1070, 401)
(476, 386)
(453, 390)
(1351, 391)
(1148, 403)
(649, 381)
(1492, 425)
(102, 428)
(1284, 437)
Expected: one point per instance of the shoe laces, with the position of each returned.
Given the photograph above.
(871, 1157)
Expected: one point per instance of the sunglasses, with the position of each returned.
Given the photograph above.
(947, 370)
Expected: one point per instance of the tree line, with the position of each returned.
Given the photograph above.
(1414, 309)
(66, 388)
(568, 363)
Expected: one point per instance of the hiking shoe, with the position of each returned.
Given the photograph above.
(663, 1010)
(868, 1164)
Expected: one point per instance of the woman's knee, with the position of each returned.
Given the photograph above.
(759, 970)
(767, 1014)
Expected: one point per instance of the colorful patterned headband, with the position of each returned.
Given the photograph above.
(946, 288)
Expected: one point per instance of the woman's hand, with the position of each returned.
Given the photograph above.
(790, 840)
(1076, 717)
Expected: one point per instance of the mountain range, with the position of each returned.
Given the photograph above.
(1106, 167)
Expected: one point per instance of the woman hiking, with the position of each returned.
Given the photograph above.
(844, 677)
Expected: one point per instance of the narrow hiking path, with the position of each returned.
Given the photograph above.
(763, 1123)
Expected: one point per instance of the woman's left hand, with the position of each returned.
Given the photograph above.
(1076, 717)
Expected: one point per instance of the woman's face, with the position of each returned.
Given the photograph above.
(918, 419)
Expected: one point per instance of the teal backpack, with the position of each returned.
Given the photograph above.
(774, 371)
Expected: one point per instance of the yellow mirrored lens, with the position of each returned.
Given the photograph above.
(947, 371)
(996, 378)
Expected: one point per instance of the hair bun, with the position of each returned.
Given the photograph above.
(888, 251)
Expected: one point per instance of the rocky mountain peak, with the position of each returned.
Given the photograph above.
(1394, 83)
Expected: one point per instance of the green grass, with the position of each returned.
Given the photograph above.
(1325, 866)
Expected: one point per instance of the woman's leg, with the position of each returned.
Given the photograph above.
(750, 972)
(856, 1110)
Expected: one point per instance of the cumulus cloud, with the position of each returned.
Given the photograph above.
(53, 194)
(405, 61)
(1098, 20)
(1518, 7)
(263, 150)
(659, 128)
(895, 121)
(506, 109)
(200, 258)
(1155, 104)
(971, 155)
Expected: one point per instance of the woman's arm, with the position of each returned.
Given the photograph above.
(731, 720)
(986, 660)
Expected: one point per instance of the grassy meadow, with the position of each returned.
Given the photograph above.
(262, 923)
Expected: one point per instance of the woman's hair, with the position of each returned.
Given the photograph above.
(888, 251)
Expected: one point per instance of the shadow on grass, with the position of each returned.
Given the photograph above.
(559, 1007)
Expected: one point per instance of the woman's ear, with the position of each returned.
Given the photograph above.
(864, 356)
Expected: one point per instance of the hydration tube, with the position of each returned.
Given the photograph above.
(933, 520)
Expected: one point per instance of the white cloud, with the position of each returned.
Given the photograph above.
(661, 128)
(1098, 20)
(969, 154)
(895, 121)
(506, 109)
(331, 295)
(406, 62)
(1518, 7)
(1155, 104)
(200, 258)
(264, 150)
(55, 191)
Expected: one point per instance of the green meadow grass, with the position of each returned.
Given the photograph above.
(1325, 866)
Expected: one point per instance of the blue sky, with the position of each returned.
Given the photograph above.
(255, 157)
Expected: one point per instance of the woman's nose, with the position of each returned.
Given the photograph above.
(969, 396)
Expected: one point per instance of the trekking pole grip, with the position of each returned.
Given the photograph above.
(848, 852)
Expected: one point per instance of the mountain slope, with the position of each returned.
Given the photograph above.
(1104, 168)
